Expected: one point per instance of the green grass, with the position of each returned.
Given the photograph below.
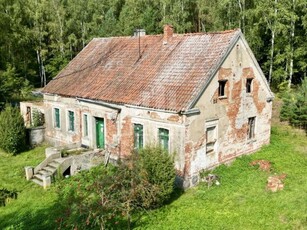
(240, 202)
(34, 208)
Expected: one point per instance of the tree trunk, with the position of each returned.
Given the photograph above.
(273, 28)
(292, 46)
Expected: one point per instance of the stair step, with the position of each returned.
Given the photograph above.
(43, 171)
(59, 160)
(49, 169)
(54, 164)
(39, 176)
(37, 181)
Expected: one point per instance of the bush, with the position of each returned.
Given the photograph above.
(13, 131)
(106, 198)
(161, 171)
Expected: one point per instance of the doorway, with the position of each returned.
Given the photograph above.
(100, 133)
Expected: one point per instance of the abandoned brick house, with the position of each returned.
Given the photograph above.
(202, 96)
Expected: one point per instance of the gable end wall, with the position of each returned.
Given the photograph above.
(229, 114)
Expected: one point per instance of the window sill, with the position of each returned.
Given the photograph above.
(209, 151)
(222, 97)
(250, 141)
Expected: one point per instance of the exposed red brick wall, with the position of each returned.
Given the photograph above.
(126, 144)
(175, 118)
(188, 148)
(111, 127)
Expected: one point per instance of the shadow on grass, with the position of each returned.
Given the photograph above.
(32, 219)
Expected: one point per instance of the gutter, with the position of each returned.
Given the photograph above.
(193, 111)
(111, 106)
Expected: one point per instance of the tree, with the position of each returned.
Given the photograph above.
(13, 131)
(294, 107)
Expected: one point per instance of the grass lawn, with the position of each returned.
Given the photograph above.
(240, 202)
(35, 207)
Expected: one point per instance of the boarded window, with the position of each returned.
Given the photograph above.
(71, 121)
(211, 136)
(138, 136)
(57, 123)
(249, 85)
(222, 85)
(85, 125)
(251, 127)
(164, 138)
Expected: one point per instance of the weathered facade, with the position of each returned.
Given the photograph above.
(203, 97)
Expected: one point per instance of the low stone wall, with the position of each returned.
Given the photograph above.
(36, 135)
(86, 161)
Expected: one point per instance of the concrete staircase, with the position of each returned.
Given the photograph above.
(49, 170)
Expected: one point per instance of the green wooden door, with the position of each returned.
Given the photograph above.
(100, 133)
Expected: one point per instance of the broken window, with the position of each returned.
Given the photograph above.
(85, 125)
(249, 85)
(211, 136)
(71, 121)
(222, 85)
(57, 123)
(164, 138)
(251, 127)
(138, 136)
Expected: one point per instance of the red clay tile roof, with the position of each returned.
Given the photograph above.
(164, 76)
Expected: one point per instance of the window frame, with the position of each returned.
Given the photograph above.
(162, 137)
(85, 125)
(57, 118)
(211, 125)
(251, 128)
(138, 141)
(222, 88)
(71, 123)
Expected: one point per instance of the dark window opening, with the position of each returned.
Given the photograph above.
(138, 136)
(251, 127)
(249, 85)
(222, 85)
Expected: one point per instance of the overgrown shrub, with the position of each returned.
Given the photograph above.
(106, 198)
(6, 194)
(160, 168)
(13, 131)
(294, 107)
(38, 118)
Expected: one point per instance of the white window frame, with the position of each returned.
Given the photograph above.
(208, 125)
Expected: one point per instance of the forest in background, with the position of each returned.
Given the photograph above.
(39, 37)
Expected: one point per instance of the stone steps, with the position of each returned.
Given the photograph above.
(48, 170)
(37, 181)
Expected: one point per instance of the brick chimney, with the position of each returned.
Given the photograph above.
(167, 33)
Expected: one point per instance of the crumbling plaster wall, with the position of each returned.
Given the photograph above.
(152, 120)
(33, 105)
(61, 136)
(119, 136)
(230, 113)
